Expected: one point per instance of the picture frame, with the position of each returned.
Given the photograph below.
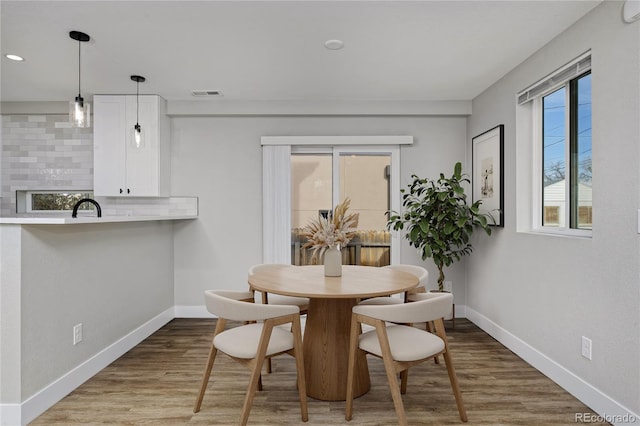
(487, 179)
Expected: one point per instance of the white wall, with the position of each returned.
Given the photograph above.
(110, 277)
(219, 160)
(547, 292)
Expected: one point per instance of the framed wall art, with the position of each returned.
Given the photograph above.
(488, 172)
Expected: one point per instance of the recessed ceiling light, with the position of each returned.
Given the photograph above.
(14, 57)
(334, 44)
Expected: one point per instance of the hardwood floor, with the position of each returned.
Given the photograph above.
(157, 383)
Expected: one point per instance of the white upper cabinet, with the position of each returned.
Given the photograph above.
(122, 167)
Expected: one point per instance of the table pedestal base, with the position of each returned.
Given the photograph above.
(326, 351)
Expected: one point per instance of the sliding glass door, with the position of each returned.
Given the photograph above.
(323, 177)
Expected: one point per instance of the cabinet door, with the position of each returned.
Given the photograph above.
(143, 160)
(109, 155)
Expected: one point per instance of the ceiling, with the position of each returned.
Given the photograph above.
(274, 50)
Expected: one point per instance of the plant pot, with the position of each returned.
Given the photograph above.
(332, 262)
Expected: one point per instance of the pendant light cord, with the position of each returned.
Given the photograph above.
(137, 79)
(137, 102)
(79, 61)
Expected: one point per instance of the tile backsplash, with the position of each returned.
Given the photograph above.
(43, 152)
(140, 206)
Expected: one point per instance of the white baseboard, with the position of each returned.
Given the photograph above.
(21, 414)
(606, 407)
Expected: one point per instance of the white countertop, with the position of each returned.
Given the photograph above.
(68, 220)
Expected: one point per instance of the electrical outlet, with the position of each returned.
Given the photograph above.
(77, 333)
(586, 348)
(448, 286)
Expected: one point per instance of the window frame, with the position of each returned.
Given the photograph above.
(28, 201)
(570, 126)
(276, 187)
(393, 151)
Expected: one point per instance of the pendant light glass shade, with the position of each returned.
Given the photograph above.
(138, 134)
(79, 110)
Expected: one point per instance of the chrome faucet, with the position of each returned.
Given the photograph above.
(86, 200)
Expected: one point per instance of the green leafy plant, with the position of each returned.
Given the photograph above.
(438, 220)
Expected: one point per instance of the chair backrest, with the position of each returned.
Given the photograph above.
(228, 305)
(418, 271)
(257, 267)
(426, 307)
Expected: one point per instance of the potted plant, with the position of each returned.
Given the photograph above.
(438, 220)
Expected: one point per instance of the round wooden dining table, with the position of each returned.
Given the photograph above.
(326, 335)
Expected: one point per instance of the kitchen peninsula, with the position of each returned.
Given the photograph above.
(110, 277)
(67, 220)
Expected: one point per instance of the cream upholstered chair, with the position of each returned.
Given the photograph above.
(402, 346)
(423, 277)
(251, 344)
(276, 299)
(418, 271)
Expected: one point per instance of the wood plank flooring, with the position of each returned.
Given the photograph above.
(156, 383)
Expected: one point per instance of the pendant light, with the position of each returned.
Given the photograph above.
(79, 110)
(138, 136)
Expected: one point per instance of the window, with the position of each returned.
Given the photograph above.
(566, 153)
(562, 149)
(52, 201)
(323, 177)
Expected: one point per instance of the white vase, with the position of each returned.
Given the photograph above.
(332, 262)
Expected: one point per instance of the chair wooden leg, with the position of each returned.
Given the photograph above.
(256, 373)
(220, 323)
(391, 373)
(451, 371)
(205, 378)
(351, 366)
(251, 392)
(302, 384)
(430, 328)
(404, 375)
(395, 392)
(454, 385)
(265, 301)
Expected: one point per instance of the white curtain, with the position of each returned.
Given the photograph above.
(276, 204)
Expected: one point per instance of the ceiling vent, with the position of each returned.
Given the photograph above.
(208, 93)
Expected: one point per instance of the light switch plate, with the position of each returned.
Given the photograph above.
(586, 348)
(77, 333)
